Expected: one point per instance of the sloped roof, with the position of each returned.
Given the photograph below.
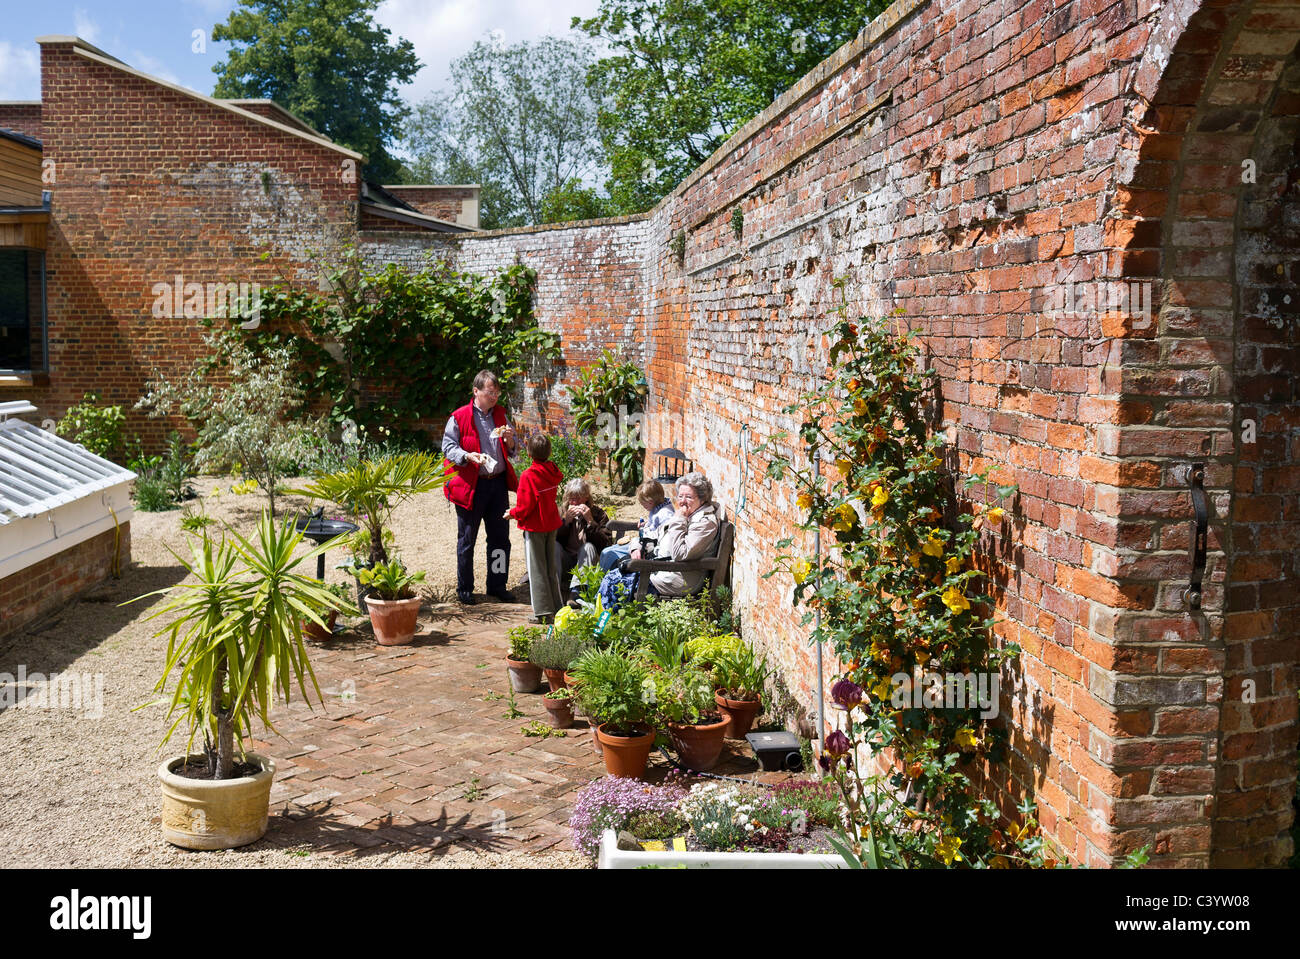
(40, 471)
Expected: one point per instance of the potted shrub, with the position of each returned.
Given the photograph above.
(559, 704)
(684, 702)
(525, 675)
(393, 604)
(555, 652)
(322, 630)
(235, 636)
(358, 545)
(739, 675)
(614, 691)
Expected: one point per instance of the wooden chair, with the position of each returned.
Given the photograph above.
(717, 566)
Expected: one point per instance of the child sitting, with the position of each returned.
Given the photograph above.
(650, 495)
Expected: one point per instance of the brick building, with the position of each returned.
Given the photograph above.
(1088, 209)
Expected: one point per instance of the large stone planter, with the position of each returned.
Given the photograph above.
(215, 813)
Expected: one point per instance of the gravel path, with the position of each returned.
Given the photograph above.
(79, 787)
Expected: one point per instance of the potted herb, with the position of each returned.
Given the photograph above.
(525, 675)
(684, 702)
(615, 691)
(322, 629)
(235, 639)
(555, 652)
(393, 604)
(559, 704)
(739, 675)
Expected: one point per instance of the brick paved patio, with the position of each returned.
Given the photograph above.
(413, 751)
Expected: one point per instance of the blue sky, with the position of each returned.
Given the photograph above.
(157, 36)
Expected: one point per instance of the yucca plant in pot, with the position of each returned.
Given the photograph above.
(525, 675)
(235, 639)
(739, 675)
(392, 603)
(616, 692)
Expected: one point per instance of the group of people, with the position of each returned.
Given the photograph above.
(478, 443)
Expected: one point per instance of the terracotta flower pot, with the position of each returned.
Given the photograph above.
(318, 633)
(215, 813)
(394, 620)
(626, 756)
(525, 677)
(698, 746)
(561, 712)
(555, 678)
(739, 713)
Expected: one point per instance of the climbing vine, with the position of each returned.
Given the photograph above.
(609, 401)
(388, 347)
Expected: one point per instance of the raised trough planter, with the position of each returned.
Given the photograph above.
(611, 857)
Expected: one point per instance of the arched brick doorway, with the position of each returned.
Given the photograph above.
(1212, 218)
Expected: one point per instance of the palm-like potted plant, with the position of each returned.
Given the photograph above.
(235, 635)
(372, 489)
(739, 675)
(525, 675)
(615, 690)
(393, 604)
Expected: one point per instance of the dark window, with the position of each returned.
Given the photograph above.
(20, 308)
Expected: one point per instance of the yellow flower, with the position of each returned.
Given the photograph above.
(804, 500)
(845, 517)
(914, 558)
(880, 497)
(933, 546)
(882, 689)
(947, 849)
(954, 564)
(845, 468)
(966, 739)
(995, 515)
(955, 600)
(801, 570)
(562, 616)
(879, 651)
(860, 407)
(922, 656)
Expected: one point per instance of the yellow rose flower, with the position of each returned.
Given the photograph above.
(947, 849)
(860, 407)
(966, 739)
(845, 517)
(879, 651)
(804, 500)
(933, 546)
(883, 689)
(914, 558)
(995, 515)
(880, 497)
(954, 564)
(845, 468)
(955, 600)
(801, 570)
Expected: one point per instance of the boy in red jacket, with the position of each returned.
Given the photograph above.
(538, 517)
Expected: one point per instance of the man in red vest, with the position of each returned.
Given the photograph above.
(477, 444)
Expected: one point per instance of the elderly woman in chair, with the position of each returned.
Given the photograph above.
(690, 533)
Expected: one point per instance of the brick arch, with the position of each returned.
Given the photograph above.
(1217, 239)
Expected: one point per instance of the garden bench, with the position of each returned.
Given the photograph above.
(717, 566)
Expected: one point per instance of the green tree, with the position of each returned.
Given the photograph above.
(682, 76)
(328, 62)
(519, 121)
(573, 201)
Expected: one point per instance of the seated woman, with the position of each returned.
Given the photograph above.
(650, 495)
(690, 533)
(584, 532)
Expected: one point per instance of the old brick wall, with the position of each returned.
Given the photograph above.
(455, 204)
(49, 585)
(967, 162)
(151, 184)
(21, 117)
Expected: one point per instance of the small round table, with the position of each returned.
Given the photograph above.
(319, 531)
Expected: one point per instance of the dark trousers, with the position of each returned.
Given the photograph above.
(489, 505)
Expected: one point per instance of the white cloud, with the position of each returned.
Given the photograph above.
(444, 29)
(153, 66)
(83, 26)
(20, 71)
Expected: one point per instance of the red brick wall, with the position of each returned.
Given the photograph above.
(149, 184)
(21, 118)
(47, 586)
(966, 161)
(443, 202)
